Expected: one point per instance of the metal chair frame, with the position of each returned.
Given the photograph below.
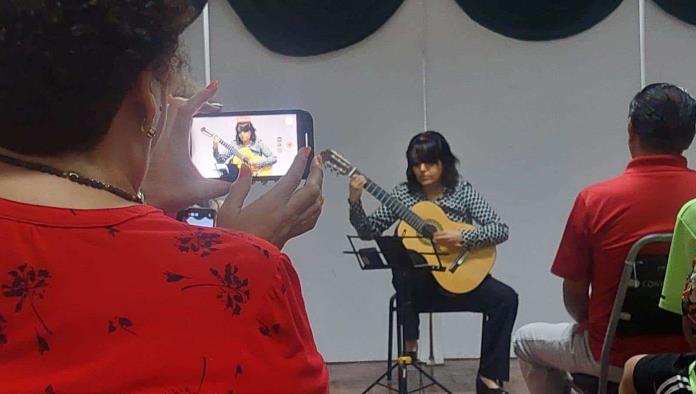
(615, 317)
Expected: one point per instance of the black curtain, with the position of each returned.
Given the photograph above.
(198, 5)
(538, 20)
(312, 27)
(682, 9)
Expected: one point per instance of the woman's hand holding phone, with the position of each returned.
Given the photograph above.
(283, 212)
(172, 182)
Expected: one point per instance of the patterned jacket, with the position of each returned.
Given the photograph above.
(461, 204)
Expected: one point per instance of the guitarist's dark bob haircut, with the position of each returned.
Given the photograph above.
(245, 126)
(431, 147)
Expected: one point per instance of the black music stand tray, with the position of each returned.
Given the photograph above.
(395, 255)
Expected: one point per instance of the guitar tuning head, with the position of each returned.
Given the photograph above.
(334, 161)
(332, 168)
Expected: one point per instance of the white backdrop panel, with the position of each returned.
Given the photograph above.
(670, 52)
(532, 122)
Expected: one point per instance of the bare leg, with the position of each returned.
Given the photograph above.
(626, 386)
(411, 345)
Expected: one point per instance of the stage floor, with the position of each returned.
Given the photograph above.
(457, 375)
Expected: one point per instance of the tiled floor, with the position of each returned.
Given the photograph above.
(457, 375)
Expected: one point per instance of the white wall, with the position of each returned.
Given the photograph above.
(670, 53)
(531, 122)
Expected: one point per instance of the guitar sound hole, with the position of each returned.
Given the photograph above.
(428, 230)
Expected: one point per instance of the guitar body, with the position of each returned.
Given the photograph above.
(470, 273)
(250, 156)
(240, 155)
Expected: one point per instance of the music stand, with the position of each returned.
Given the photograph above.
(395, 256)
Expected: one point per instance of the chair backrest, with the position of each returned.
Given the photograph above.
(640, 314)
(645, 281)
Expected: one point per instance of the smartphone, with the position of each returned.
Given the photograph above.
(204, 217)
(266, 141)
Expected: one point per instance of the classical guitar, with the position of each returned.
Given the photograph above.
(458, 271)
(241, 155)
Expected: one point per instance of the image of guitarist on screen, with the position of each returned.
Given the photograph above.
(253, 151)
(432, 175)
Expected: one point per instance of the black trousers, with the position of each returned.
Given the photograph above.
(417, 291)
(231, 174)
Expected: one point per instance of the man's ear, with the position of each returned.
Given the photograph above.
(632, 134)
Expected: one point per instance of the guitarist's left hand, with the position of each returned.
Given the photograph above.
(451, 239)
(255, 165)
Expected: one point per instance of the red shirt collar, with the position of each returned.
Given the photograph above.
(656, 163)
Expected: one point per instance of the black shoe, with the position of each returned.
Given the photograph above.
(481, 388)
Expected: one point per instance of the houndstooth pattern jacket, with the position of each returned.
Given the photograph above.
(461, 204)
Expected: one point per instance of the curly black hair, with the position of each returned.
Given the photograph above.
(66, 66)
(431, 147)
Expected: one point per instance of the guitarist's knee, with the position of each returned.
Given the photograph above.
(508, 298)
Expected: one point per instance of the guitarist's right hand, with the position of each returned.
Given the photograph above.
(355, 187)
(216, 141)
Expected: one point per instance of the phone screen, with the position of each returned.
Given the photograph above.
(265, 141)
(198, 217)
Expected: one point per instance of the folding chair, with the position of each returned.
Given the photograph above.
(635, 311)
(399, 340)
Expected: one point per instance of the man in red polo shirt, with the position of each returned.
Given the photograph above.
(607, 218)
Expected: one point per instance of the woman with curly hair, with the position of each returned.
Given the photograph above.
(101, 291)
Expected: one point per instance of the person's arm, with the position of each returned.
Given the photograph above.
(576, 296)
(220, 158)
(491, 230)
(573, 262)
(373, 225)
(268, 156)
(679, 265)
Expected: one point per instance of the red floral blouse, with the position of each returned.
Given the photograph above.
(129, 300)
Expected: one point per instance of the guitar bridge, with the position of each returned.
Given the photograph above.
(459, 261)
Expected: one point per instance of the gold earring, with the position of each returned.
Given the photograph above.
(150, 131)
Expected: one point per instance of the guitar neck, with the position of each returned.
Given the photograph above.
(229, 147)
(224, 143)
(395, 206)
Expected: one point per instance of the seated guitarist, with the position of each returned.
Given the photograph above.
(432, 175)
(260, 156)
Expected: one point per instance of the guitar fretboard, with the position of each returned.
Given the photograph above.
(396, 206)
(224, 143)
(230, 148)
